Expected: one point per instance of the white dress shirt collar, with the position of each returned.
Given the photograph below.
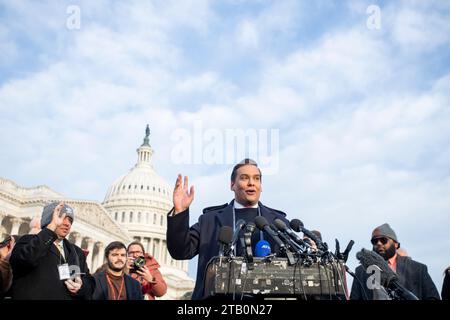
(237, 205)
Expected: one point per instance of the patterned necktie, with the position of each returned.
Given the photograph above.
(61, 249)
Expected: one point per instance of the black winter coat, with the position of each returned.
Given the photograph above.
(412, 275)
(132, 287)
(34, 261)
(202, 238)
(445, 293)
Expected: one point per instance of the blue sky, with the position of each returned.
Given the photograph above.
(363, 114)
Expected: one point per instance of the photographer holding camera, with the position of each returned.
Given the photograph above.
(144, 268)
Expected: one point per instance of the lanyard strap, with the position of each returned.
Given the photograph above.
(111, 286)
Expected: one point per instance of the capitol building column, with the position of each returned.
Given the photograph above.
(150, 247)
(161, 252)
(90, 248)
(98, 261)
(3, 231)
(15, 222)
(145, 244)
(76, 236)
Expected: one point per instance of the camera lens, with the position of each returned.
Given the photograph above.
(139, 262)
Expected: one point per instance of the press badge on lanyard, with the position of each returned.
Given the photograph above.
(64, 271)
(63, 268)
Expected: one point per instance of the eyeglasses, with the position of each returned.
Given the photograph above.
(382, 240)
(130, 253)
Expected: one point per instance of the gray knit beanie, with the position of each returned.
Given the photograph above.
(384, 230)
(47, 213)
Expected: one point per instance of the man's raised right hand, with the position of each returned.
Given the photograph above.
(57, 218)
(182, 196)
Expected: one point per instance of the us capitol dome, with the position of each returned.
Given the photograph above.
(135, 208)
(138, 202)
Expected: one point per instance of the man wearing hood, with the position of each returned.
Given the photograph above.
(46, 265)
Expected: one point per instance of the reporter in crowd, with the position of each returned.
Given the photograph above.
(43, 263)
(113, 283)
(148, 275)
(412, 275)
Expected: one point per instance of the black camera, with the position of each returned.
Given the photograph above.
(137, 264)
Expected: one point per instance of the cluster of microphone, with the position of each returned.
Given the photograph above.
(289, 242)
(388, 279)
(293, 246)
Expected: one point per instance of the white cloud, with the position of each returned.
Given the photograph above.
(343, 63)
(421, 31)
(247, 35)
(7, 48)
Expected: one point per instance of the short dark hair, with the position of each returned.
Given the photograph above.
(113, 246)
(244, 162)
(136, 243)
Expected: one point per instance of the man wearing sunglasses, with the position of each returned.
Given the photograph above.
(411, 274)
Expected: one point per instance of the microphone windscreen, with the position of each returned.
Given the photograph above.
(280, 224)
(240, 224)
(296, 225)
(262, 249)
(369, 258)
(225, 234)
(261, 222)
(250, 227)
